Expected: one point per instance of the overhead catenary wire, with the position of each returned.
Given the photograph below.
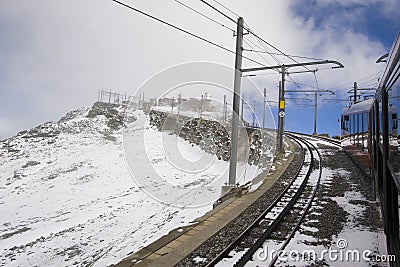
(293, 81)
(267, 50)
(213, 20)
(230, 10)
(279, 54)
(247, 41)
(259, 54)
(350, 84)
(254, 34)
(205, 16)
(302, 84)
(277, 49)
(182, 30)
(219, 11)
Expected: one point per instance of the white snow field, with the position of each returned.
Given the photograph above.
(67, 196)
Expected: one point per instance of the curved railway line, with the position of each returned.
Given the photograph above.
(290, 212)
(281, 219)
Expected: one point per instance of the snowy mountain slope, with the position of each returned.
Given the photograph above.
(67, 196)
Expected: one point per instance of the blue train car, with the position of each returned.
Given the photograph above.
(355, 123)
(385, 151)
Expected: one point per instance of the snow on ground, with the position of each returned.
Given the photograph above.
(345, 249)
(67, 196)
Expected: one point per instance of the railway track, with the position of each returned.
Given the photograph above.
(323, 138)
(276, 226)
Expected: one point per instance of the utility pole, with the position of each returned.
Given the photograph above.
(355, 92)
(281, 110)
(265, 102)
(236, 102)
(315, 101)
(284, 67)
(315, 113)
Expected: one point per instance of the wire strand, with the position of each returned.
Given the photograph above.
(253, 33)
(261, 56)
(230, 10)
(219, 11)
(274, 47)
(205, 16)
(279, 54)
(183, 30)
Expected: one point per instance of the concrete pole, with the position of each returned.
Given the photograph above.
(355, 92)
(265, 102)
(315, 113)
(236, 102)
(281, 111)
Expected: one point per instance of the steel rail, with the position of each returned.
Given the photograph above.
(273, 261)
(247, 256)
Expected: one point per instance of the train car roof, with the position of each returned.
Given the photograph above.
(363, 106)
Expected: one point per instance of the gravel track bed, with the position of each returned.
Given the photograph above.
(215, 244)
(326, 216)
(349, 178)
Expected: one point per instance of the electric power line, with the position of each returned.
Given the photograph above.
(205, 16)
(234, 13)
(267, 50)
(219, 11)
(256, 45)
(260, 55)
(254, 34)
(277, 49)
(350, 84)
(182, 30)
(278, 54)
(293, 81)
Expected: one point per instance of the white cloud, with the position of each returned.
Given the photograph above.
(59, 54)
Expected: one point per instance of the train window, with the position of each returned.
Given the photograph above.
(394, 121)
(380, 121)
(394, 104)
(364, 130)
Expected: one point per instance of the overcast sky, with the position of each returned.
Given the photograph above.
(56, 55)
